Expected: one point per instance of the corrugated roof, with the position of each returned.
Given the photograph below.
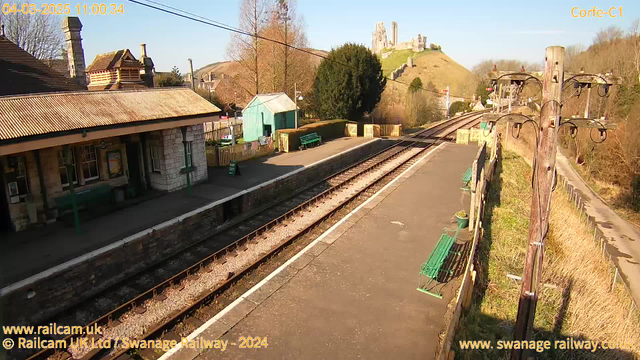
(21, 73)
(22, 116)
(277, 103)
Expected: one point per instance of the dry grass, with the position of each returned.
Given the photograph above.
(581, 306)
(610, 193)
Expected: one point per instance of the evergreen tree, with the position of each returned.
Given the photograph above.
(347, 92)
(416, 84)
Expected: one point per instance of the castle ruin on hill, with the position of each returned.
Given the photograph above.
(379, 40)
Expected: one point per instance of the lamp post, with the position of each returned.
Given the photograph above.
(296, 96)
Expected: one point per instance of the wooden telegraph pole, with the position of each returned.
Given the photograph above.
(543, 178)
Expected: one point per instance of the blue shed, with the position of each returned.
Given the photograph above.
(267, 113)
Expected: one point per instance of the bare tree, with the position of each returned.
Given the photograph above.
(39, 35)
(610, 34)
(570, 54)
(285, 66)
(481, 69)
(634, 37)
(246, 49)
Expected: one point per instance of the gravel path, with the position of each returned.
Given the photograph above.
(134, 325)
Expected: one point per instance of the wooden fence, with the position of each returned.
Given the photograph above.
(222, 156)
(465, 292)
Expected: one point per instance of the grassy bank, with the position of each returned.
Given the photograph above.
(577, 301)
(612, 194)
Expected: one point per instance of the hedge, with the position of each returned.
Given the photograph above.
(328, 129)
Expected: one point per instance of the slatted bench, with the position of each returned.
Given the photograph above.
(466, 178)
(434, 265)
(309, 139)
(98, 194)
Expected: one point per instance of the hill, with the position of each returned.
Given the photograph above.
(430, 66)
(232, 68)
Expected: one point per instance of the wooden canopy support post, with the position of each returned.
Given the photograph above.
(66, 149)
(43, 187)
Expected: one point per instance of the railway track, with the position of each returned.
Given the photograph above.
(155, 287)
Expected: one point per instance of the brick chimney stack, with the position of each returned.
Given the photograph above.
(77, 69)
(147, 72)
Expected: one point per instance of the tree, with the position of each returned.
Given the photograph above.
(431, 86)
(421, 108)
(416, 84)
(245, 49)
(570, 54)
(482, 92)
(282, 67)
(174, 78)
(348, 83)
(39, 35)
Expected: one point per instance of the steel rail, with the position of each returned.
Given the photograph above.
(177, 278)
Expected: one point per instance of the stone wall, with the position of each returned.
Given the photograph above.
(51, 177)
(172, 172)
(67, 284)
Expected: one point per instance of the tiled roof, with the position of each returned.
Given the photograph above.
(59, 65)
(24, 116)
(114, 60)
(21, 73)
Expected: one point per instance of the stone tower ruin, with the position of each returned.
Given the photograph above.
(379, 39)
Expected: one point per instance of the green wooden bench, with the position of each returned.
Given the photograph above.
(309, 139)
(466, 178)
(432, 268)
(100, 193)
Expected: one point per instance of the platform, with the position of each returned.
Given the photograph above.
(30, 252)
(352, 292)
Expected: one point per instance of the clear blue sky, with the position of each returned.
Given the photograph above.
(469, 32)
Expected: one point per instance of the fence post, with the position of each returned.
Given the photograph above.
(615, 278)
(472, 192)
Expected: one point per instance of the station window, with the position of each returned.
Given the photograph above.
(64, 174)
(19, 188)
(189, 157)
(89, 162)
(156, 158)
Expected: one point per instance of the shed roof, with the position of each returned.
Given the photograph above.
(276, 102)
(21, 73)
(24, 116)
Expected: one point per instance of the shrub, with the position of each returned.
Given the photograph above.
(329, 129)
(459, 106)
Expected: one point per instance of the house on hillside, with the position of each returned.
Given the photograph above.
(61, 144)
(478, 106)
(120, 70)
(267, 113)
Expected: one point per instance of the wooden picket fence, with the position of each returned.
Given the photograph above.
(222, 156)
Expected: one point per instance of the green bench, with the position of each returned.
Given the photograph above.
(309, 139)
(434, 265)
(466, 178)
(100, 193)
